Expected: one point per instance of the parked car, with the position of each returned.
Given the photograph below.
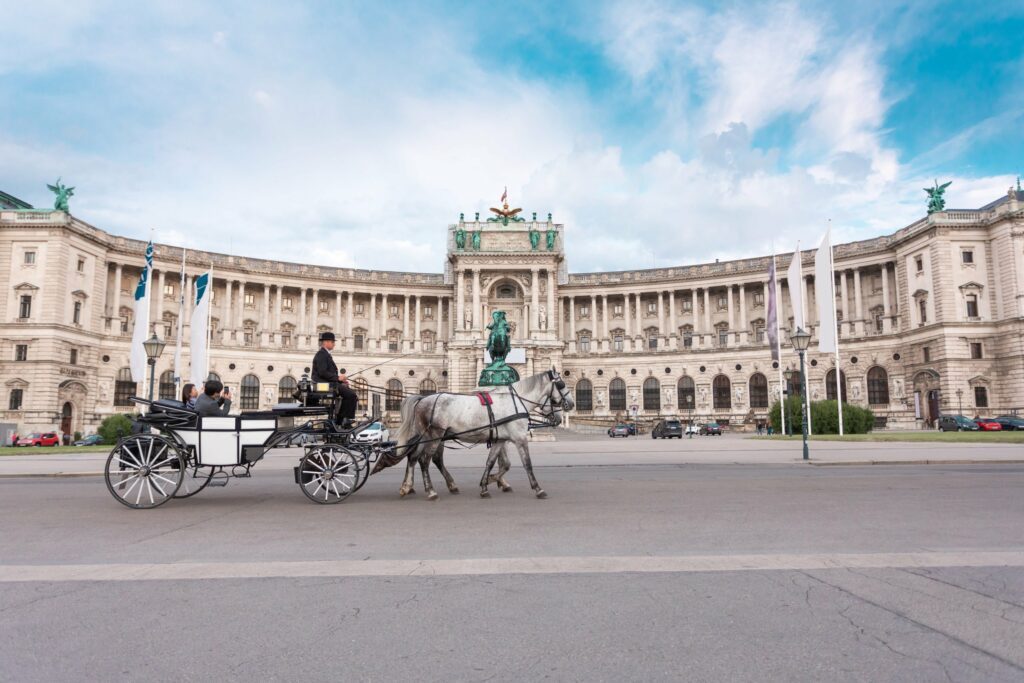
(631, 426)
(711, 428)
(988, 425)
(618, 430)
(91, 440)
(956, 423)
(40, 439)
(693, 428)
(1012, 423)
(667, 429)
(375, 433)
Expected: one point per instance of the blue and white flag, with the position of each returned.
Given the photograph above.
(138, 354)
(199, 342)
(772, 322)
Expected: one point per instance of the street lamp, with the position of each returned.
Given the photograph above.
(689, 407)
(154, 346)
(788, 374)
(960, 401)
(801, 340)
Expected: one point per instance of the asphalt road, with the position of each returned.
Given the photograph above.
(653, 572)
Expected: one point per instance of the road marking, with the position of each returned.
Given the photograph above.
(501, 565)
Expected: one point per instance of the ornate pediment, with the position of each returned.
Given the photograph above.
(920, 293)
(80, 294)
(16, 383)
(972, 285)
(978, 380)
(26, 287)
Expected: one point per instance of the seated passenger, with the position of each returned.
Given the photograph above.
(189, 394)
(215, 401)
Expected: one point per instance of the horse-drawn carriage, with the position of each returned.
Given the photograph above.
(176, 453)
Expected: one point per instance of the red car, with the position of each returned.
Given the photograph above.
(987, 425)
(44, 439)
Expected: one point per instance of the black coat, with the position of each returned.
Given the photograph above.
(324, 367)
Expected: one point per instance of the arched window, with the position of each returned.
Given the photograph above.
(758, 391)
(124, 387)
(362, 392)
(617, 394)
(393, 396)
(249, 396)
(830, 384)
(167, 386)
(652, 394)
(428, 387)
(795, 386)
(584, 395)
(286, 389)
(686, 393)
(721, 392)
(878, 386)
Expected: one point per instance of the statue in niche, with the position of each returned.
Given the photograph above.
(469, 320)
(551, 234)
(855, 391)
(534, 239)
(600, 398)
(897, 384)
(542, 317)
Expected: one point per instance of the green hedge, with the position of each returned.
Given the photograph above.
(824, 417)
(114, 427)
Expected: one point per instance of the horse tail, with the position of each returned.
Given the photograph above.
(407, 435)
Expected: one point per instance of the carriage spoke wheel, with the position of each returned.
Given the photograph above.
(196, 478)
(328, 474)
(144, 471)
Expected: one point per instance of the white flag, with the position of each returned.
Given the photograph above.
(181, 315)
(824, 285)
(139, 334)
(794, 278)
(199, 341)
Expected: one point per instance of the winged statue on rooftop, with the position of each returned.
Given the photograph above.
(936, 202)
(63, 192)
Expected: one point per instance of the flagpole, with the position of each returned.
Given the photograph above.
(835, 319)
(181, 319)
(209, 314)
(778, 345)
(803, 307)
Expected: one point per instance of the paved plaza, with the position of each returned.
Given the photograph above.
(649, 560)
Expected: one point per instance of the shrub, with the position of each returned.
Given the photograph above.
(114, 427)
(794, 415)
(824, 417)
(78, 436)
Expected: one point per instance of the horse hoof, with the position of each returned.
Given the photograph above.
(406, 492)
(453, 490)
(541, 494)
(485, 494)
(432, 495)
(506, 489)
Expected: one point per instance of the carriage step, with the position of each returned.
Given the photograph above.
(218, 481)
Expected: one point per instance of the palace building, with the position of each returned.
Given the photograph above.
(931, 321)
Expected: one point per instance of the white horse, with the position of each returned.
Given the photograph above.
(429, 421)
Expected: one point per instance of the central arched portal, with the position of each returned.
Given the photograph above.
(507, 295)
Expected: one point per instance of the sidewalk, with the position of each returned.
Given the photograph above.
(571, 451)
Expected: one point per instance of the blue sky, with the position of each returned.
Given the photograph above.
(661, 133)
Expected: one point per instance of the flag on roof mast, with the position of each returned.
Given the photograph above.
(200, 340)
(504, 195)
(771, 325)
(824, 292)
(138, 351)
(794, 278)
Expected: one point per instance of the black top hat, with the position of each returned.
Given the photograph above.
(326, 336)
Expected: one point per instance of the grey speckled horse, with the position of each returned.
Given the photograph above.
(430, 420)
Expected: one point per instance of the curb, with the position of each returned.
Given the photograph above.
(916, 462)
(28, 475)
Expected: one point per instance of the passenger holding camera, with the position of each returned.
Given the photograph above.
(215, 401)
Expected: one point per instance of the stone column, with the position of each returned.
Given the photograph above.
(553, 319)
(572, 323)
(673, 325)
(534, 298)
(190, 300)
(777, 311)
(886, 308)
(371, 332)
(279, 309)
(639, 319)
(115, 312)
(661, 319)
(338, 329)
(606, 343)
(385, 318)
(744, 327)
(476, 299)
(450, 303)
(302, 319)
(843, 298)
(240, 321)
(858, 304)
(226, 322)
(627, 314)
(265, 319)
(348, 319)
(418, 324)
(158, 315)
(593, 322)
(694, 312)
(405, 324)
(315, 314)
(460, 299)
(707, 315)
(730, 302)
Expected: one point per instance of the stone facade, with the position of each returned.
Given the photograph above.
(932, 320)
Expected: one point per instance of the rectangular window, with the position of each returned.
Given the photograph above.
(584, 311)
(652, 308)
(81, 265)
(394, 310)
(919, 263)
(617, 309)
(687, 305)
(25, 308)
(975, 350)
(392, 343)
(428, 312)
(759, 298)
(617, 343)
(325, 307)
(687, 340)
(723, 338)
(30, 258)
(878, 322)
(922, 307)
(723, 302)
(169, 290)
(967, 256)
(585, 344)
(357, 341)
(286, 302)
(427, 345)
(73, 357)
(16, 398)
(76, 315)
(980, 397)
(250, 299)
(926, 354)
(652, 343)
(759, 334)
(972, 305)
(359, 309)
(21, 352)
(247, 337)
(286, 340)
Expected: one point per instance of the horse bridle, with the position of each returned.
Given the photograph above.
(550, 416)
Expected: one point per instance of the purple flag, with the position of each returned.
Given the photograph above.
(772, 322)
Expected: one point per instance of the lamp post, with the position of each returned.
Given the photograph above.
(788, 374)
(154, 346)
(801, 340)
(960, 401)
(689, 408)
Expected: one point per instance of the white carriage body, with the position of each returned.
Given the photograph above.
(222, 441)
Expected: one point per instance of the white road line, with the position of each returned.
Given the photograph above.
(500, 565)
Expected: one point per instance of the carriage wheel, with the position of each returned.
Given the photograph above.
(328, 474)
(196, 478)
(144, 471)
(363, 465)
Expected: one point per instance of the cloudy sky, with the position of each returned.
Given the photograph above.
(661, 133)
